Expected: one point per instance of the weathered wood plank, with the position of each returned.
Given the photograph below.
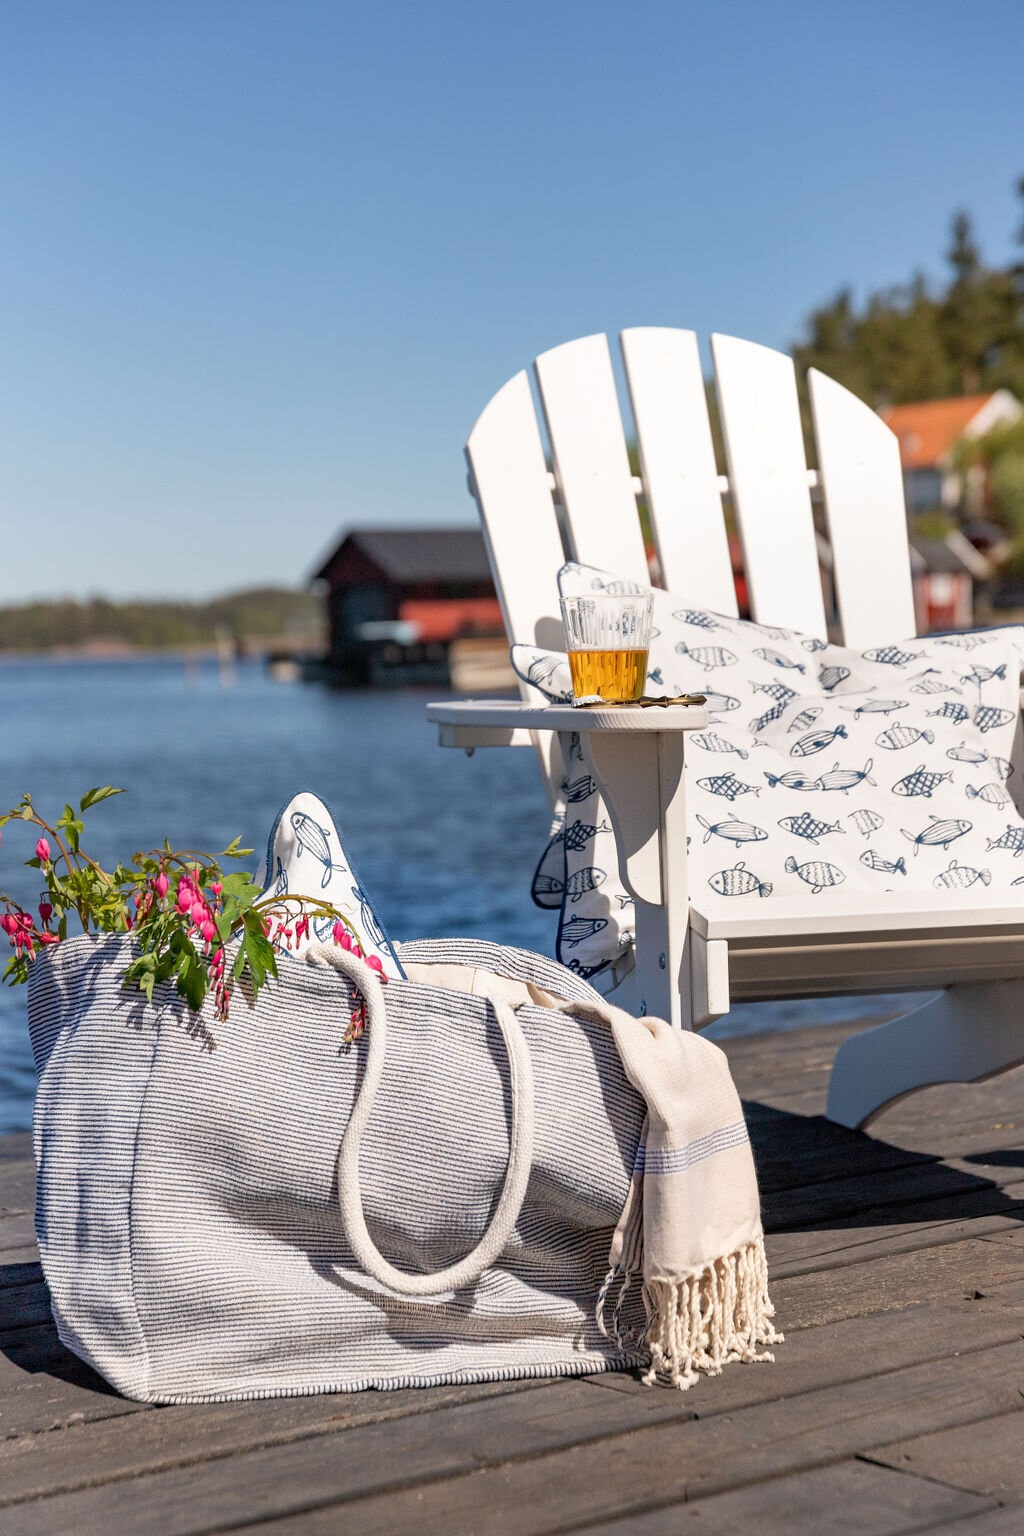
(998, 1522)
(24, 1306)
(520, 1459)
(989, 1460)
(858, 1501)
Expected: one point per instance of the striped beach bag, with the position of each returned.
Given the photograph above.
(503, 1178)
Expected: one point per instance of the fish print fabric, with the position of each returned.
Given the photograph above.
(305, 857)
(822, 768)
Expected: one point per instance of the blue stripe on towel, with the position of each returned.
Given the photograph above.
(678, 1159)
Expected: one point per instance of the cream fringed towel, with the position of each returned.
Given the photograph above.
(691, 1227)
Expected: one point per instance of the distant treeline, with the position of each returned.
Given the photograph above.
(263, 614)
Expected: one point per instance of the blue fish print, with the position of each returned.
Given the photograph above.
(815, 741)
(866, 821)
(711, 742)
(992, 794)
(727, 784)
(986, 717)
(584, 880)
(891, 655)
(875, 707)
(778, 660)
(579, 834)
(782, 696)
(580, 789)
(281, 880)
(979, 675)
(697, 617)
(929, 685)
(1002, 766)
(940, 832)
(965, 754)
(962, 642)
(875, 861)
(808, 826)
(371, 926)
(814, 644)
(1012, 839)
(817, 874)
(960, 877)
(708, 656)
(831, 677)
(720, 703)
(899, 736)
(739, 881)
(579, 928)
(949, 711)
(733, 830)
(312, 838)
(795, 779)
(805, 718)
(656, 677)
(920, 782)
(540, 673)
(846, 778)
(575, 748)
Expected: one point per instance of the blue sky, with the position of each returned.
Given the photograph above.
(262, 262)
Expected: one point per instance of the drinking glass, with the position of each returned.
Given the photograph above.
(607, 638)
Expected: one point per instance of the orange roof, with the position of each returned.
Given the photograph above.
(928, 430)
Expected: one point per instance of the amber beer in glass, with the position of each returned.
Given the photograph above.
(607, 637)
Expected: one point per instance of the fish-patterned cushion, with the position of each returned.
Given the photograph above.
(821, 767)
(305, 857)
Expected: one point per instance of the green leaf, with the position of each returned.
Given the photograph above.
(94, 796)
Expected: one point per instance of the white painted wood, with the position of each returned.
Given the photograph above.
(469, 737)
(863, 914)
(591, 465)
(677, 457)
(768, 474)
(862, 484)
(966, 1034)
(709, 979)
(623, 720)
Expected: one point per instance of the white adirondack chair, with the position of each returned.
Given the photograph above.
(692, 964)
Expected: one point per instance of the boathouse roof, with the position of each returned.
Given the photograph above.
(411, 555)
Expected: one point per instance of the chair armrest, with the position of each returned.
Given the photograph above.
(507, 723)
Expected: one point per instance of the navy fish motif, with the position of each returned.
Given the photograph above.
(875, 861)
(584, 880)
(778, 691)
(371, 927)
(866, 821)
(992, 794)
(711, 742)
(808, 826)
(697, 617)
(930, 685)
(739, 881)
(831, 677)
(794, 779)
(540, 673)
(579, 928)
(950, 711)
(817, 874)
(891, 655)
(899, 736)
(986, 717)
(876, 707)
(944, 832)
(656, 677)
(579, 834)
(816, 741)
(979, 675)
(733, 830)
(1002, 766)
(281, 880)
(778, 660)
(782, 696)
(312, 838)
(546, 886)
(720, 703)
(960, 877)
(962, 642)
(805, 718)
(814, 644)
(771, 631)
(575, 748)
(965, 754)
(846, 778)
(1012, 839)
(727, 784)
(620, 587)
(708, 656)
(580, 789)
(920, 782)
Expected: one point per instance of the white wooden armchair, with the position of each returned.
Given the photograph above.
(692, 964)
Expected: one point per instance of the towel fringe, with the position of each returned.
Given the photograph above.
(706, 1320)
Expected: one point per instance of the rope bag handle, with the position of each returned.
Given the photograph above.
(520, 1158)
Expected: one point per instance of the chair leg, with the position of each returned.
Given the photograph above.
(971, 1031)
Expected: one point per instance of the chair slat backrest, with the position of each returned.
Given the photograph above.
(591, 464)
(862, 484)
(768, 479)
(677, 460)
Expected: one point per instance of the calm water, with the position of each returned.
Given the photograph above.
(446, 844)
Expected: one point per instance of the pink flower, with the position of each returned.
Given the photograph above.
(160, 885)
(43, 851)
(49, 938)
(375, 963)
(340, 935)
(198, 912)
(184, 899)
(45, 911)
(216, 887)
(9, 923)
(208, 931)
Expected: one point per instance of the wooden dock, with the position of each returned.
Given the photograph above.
(897, 1262)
